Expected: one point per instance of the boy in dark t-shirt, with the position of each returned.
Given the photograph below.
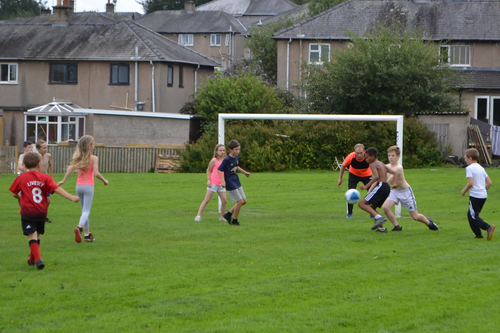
(231, 182)
(34, 186)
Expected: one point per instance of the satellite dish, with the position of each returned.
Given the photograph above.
(114, 1)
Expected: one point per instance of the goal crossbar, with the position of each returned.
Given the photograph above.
(345, 117)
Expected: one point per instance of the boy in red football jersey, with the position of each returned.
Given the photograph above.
(34, 187)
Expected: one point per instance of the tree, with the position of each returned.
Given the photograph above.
(264, 48)
(389, 72)
(319, 6)
(150, 6)
(10, 9)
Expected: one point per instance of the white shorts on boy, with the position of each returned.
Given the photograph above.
(406, 198)
(236, 195)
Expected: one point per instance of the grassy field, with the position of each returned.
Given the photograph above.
(296, 264)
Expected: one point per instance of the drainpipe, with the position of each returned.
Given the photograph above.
(288, 62)
(136, 78)
(153, 84)
(196, 80)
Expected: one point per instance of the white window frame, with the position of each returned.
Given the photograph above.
(491, 103)
(213, 39)
(10, 72)
(185, 39)
(43, 121)
(228, 39)
(319, 51)
(464, 58)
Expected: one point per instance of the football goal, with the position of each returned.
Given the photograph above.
(319, 117)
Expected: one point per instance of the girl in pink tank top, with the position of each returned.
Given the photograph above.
(214, 182)
(87, 166)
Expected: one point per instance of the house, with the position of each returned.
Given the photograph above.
(94, 61)
(216, 34)
(250, 12)
(468, 33)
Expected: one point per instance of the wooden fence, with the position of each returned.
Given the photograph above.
(8, 159)
(111, 159)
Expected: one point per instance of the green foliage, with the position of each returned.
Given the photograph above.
(319, 6)
(264, 48)
(295, 145)
(236, 91)
(10, 9)
(389, 72)
(150, 6)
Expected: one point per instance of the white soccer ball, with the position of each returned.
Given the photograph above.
(352, 196)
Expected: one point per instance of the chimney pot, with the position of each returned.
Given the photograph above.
(189, 6)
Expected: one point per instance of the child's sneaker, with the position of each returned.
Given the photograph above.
(383, 230)
(78, 236)
(31, 263)
(197, 219)
(40, 264)
(234, 222)
(48, 220)
(432, 225)
(397, 228)
(349, 216)
(221, 219)
(89, 238)
(490, 231)
(378, 222)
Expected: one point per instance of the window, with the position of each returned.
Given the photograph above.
(488, 109)
(228, 36)
(63, 73)
(319, 53)
(54, 129)
(170, 76)
(119, 74)
(8, 73)
(186, 40)
(214, 40)
(455, 55)
(181, 79)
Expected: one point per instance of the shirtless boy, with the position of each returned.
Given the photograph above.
(380, 191)
(402, 192)
(46, 166)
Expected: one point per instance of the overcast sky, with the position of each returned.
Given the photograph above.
(100, 5)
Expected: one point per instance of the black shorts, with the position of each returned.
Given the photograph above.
(30, 225)
(377, 197)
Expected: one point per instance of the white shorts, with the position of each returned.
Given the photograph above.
(406, 198)
(236, 195)
(216, 188)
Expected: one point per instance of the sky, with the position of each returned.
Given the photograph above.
(100, 5)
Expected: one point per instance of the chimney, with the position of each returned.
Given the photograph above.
(110, 7)
(71, 6)
(61, 13)
(189, 6)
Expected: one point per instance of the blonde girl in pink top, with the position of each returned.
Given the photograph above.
(87, 166)
(214, 183)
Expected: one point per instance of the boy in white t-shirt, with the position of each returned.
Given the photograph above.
(478, 183)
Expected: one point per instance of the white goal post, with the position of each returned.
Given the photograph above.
(346, 117)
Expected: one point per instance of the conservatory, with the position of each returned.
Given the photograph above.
(53, 123)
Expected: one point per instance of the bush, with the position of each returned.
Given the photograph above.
(292, 145)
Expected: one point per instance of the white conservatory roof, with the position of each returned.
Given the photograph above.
(54, 108)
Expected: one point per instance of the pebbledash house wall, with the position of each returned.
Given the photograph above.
(482, 55)
(93, 91)
(140, 127)
(450, 129)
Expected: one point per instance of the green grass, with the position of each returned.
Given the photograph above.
(295, 264)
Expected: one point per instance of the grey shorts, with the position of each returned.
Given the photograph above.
(236, 195)
(216, 188)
